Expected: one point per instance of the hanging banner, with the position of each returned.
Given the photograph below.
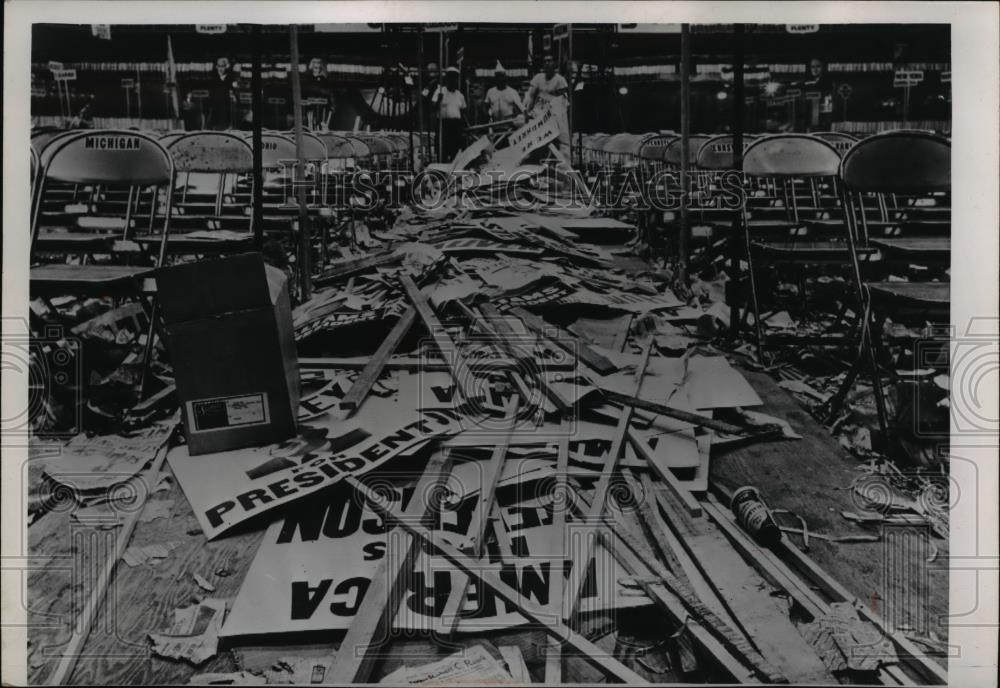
(227, 488)
(64, 74)
(802, 28)
(291, 587)
(102, 31)
(210, 28)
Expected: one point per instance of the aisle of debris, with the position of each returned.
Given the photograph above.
(496, 442)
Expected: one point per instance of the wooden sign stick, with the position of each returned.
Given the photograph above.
(373, 369)
(487, 498)
(557, 542)
(372, 624)
(578, 573)
(459, 370)
(490, 576)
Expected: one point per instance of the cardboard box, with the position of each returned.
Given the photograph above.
(228, 333)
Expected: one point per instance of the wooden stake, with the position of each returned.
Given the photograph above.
(557, 541)
(373, 369)
(459, 370)
(573, 345)
(487, 498)
(579, 571)
(372, 624)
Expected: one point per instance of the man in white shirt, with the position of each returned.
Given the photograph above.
(502, 100)
(451, 109)
(549, 89)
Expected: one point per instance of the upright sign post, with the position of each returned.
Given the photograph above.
(564, 32)
(906, 79)
(127, 86)
(65, 76)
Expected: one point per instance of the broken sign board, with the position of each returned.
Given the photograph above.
(291, 587)
(227, 488)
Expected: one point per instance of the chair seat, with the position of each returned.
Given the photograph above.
(913, 248)
(927, 298)
(203, 243)
(810, 251)
(73, 242)
(87, 280)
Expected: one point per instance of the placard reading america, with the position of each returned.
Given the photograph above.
(294, 586)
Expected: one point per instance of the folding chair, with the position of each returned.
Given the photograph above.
(215, 155)
(103, 158)
(909, 163)
(781, 161)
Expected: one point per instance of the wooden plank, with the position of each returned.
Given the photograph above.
(487, 499)
(622, 336)
(691, 504)
(557, 542)
(916, 659)
(459, 370)
(577, 574)
(578, 347)
(667, 600)
(770, 565)
(730, 648)
(672, 548)
(373, 369)
(501, 329)
(489, 575)
(373, 621)
(747, 597)
(675, 413)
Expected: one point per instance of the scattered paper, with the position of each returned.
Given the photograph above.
(472, 665)
(202, 583)
(194, 635)
(148, 554)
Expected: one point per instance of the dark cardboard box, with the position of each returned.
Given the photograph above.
(228, 332)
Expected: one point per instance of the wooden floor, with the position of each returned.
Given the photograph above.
(807, 476)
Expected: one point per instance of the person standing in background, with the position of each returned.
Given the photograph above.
(221, 96)
(316, 88)
(451, 110)
(549, 89)
(821, 110)
(502, 101)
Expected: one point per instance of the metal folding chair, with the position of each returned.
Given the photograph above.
(106, 158)
(893, 163)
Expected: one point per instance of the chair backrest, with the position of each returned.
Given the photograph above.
(34, 164)
(898, 162)
(336, 145)
(791, 155)
(313, 147)
(838, 139)
(170, 137)
(361, 147)
(716, 153)
(653, 146)
(41, 140)
(210, 151)
(107, 157)
(276, 149)
(672, 151)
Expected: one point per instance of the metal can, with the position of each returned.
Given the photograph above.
(753, 515)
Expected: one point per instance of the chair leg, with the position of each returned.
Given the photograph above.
(873, 348)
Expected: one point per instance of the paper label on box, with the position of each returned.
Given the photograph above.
(222, 413)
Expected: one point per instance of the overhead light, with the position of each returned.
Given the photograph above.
(721, 95)
(623, 90)
(771, 87)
